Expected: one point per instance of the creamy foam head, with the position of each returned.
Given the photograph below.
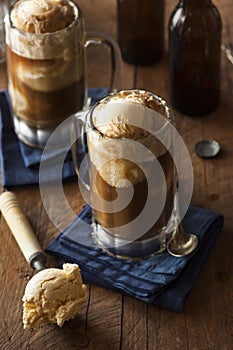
(42, 16)
(129, 125)
(130, 114)
(44, 29)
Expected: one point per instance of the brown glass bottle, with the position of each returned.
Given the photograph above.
(194, 53)
(141, 30)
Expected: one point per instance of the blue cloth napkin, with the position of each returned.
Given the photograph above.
(19, 162)
(161, 279)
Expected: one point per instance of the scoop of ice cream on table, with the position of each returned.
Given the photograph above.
(53, 296)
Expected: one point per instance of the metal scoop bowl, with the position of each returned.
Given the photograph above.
(182, 243)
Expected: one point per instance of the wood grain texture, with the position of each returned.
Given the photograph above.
(113, 321)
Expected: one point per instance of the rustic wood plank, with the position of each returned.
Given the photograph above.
(134, 324)
(167, 330)
(104, 319)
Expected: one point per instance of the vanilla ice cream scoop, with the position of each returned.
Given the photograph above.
(52, 295)
(42, 16)
(130, 114)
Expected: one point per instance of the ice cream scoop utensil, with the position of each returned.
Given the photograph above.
(22, 230)
(52, 295)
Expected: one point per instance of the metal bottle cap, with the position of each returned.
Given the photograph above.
(207, 148)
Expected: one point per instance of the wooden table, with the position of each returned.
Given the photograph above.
(110, 320)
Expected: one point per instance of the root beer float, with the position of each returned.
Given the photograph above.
(129, 143)
(45, 65)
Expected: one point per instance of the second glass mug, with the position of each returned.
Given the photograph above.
(47, 76)
(122, 154)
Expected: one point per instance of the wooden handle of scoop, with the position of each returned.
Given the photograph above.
(20, 227)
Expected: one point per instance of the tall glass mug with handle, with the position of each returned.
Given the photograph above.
(131, 181)
(46, 57)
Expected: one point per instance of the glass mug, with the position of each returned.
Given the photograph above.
(122, 150)
(47, 74)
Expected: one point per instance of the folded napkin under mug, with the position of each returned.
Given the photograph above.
(160, 279)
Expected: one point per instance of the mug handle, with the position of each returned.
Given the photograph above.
(79, 146)
(115, 55)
